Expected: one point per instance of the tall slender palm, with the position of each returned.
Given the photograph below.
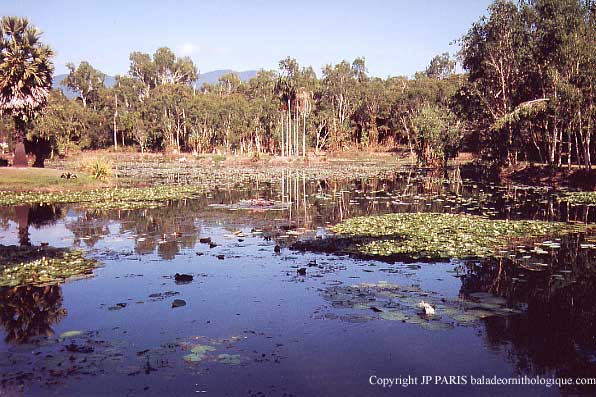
(25, 76)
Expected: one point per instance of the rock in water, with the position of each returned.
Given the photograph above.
(178, 303)
(183, 278)
(301, 271)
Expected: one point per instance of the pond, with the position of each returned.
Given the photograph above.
(210, 295)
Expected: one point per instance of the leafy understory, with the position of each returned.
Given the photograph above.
(41, 266)
(436, 236)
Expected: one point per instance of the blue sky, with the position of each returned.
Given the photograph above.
(395, 37)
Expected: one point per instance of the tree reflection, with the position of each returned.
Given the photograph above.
(36, 215)
(555, 335)
(27, 312)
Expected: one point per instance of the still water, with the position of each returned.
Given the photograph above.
(260, 318)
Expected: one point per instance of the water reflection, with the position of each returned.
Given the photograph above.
(27, 312)
(29, 215)
(555, 336)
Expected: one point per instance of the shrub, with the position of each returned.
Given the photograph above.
(99, 168)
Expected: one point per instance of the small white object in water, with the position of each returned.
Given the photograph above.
(428, 309)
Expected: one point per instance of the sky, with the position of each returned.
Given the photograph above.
(397, 37)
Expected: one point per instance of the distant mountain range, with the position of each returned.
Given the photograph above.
(212, 77)
(209, 78)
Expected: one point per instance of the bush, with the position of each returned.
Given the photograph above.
(99, 168)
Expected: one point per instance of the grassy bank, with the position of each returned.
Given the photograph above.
(44, 180)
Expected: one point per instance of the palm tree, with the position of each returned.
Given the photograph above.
(25, 76)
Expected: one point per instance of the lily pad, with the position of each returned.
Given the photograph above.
(229, 359)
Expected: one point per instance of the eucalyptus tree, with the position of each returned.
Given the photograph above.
(228, 83)
(86, 81)
(164, 67)
(166, 113)
(495, 53)
(531, 77)
(170, 69)
(441, 66)
(340, 88)
(125, 98)
(144, 71)
(563, 54)
(25, 77)
(260, 92)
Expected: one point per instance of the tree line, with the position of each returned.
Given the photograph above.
(525, 91)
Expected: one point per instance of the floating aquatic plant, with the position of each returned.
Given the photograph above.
(434, 235)
(109, 198)
(41, 265)
(587, 198)
(198, 353)
(403, 303)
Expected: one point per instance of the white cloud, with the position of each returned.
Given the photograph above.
(195, 49)
(187, 49)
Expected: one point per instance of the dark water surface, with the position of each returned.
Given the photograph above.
(258, 327)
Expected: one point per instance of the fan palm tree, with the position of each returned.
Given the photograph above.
(25, 76)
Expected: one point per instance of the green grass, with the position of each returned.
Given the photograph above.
(43, 179)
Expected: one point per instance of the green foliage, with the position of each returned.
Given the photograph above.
(25, 69)
(86, 81)
(531, 73)
(441, 66)
(99, 168)
(25, 78)
(439, 136)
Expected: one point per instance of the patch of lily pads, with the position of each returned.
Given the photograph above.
(430, 236)
(41, 265)
(109, 198)
(586, 198)
(392, 302)
(254, 205)
(206, 351)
